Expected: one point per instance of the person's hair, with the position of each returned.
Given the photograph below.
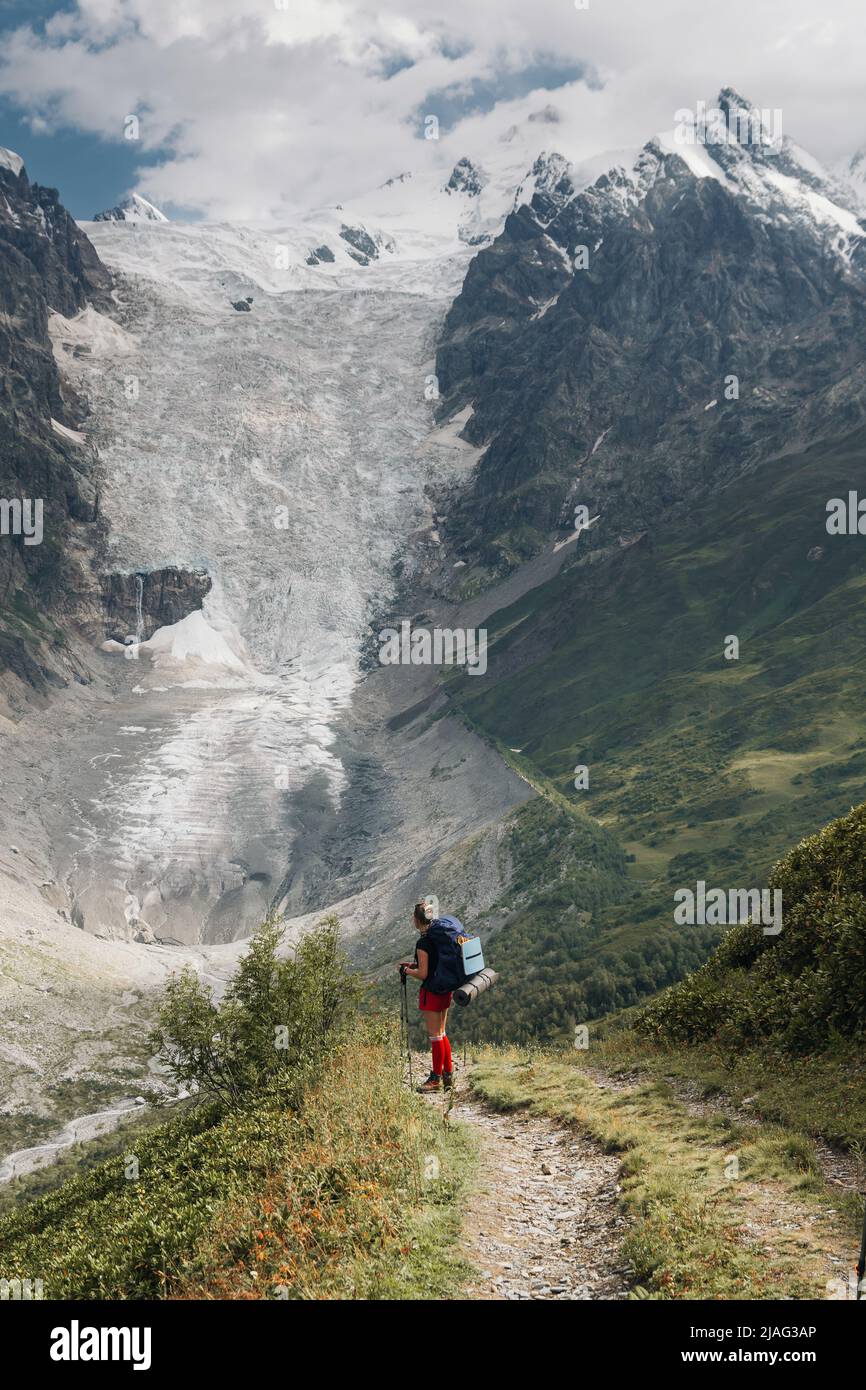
(423, 914)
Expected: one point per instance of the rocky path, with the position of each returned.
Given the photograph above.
(542, 1222)
(77, 1131)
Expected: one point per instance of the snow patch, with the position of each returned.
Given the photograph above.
(598, 443)
(10, 160)
(568, 540)
(192, 641)
(89, 330)
(75, 435)
(701, 164)
(821, 208)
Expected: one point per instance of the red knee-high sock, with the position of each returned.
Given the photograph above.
(436, 1049)
(447, 1064)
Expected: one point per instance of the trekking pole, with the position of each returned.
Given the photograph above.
(861, 1263)
(404, 1021)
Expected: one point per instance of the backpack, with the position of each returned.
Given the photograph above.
(458, 955)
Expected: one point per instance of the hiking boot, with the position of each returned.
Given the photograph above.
(447, 1080)
(432, 1083)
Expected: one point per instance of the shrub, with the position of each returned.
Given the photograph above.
(801, 988)
(279, 1016)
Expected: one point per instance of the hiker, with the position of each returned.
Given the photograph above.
(434, 1007)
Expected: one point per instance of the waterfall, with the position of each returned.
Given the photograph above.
(139, 616)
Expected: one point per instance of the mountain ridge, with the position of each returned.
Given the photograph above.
(596, 343)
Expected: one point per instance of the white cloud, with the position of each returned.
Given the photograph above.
(261, 109)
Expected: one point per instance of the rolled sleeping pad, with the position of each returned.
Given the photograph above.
(474, 986)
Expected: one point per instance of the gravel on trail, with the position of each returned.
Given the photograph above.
(542, 1221)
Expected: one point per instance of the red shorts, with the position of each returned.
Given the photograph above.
(433, 1003)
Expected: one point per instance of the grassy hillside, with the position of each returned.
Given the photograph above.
(307, 1170)
(332, 1200)
(776, 1020)
(800, 990)
(700, 767)
(723, 1093)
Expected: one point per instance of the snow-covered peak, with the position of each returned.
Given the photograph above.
(132, 209)
(852, 174)
(548, 115)
(734, 106)
(420, 226)
(466, 177)
(743, 148)
(11, 161)
(550, 182)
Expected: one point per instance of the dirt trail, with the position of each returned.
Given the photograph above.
(76, 1131)
(542, 1222)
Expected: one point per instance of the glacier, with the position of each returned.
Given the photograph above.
(280, 451)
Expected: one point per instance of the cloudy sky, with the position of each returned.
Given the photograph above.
(249, 109)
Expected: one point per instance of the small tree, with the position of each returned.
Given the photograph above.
(279, 1016)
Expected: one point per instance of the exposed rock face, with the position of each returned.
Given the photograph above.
(321, 253)
(46, 263)
(361, 241)
(138, 604)
(47, 588)
(547, 188)
(597, 340)
(465, 178)
(364, 248)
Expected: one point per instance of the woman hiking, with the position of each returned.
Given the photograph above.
(434, 1007)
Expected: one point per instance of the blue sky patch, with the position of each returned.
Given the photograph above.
(454, 103)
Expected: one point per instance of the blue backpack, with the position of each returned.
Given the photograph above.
(458, 955)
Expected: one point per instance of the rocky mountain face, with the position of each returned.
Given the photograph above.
(48, 471)
(46, 263)
(653, 337)
(137, 604)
